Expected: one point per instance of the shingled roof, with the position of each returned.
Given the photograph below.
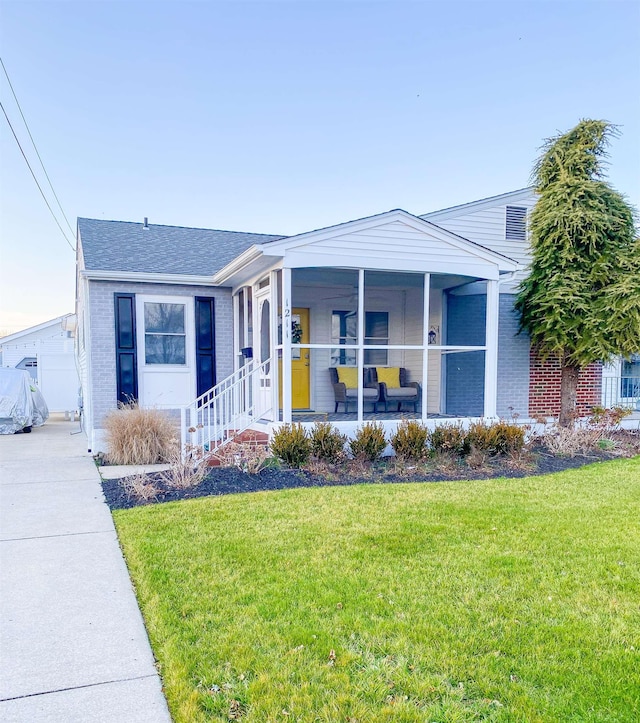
(127, 246)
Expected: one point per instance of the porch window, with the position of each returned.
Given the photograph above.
(344, 333)
(164, 333)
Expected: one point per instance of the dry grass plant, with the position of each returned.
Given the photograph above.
(521, 460)
(321, 467)
(185, 470)
(139, 436)
(140, 488)
(445, 462)
(477, 459)
(597, 433)
(249, 456)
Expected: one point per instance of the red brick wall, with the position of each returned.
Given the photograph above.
(544, 387)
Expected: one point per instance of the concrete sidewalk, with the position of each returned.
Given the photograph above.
(73, 646)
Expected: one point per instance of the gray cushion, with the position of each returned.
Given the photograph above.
(367, 393)
(398, 392)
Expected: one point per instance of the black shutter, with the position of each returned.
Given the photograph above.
(205, 344)
(126, 358)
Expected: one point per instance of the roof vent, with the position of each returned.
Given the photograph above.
(516, 228)
(146, 224)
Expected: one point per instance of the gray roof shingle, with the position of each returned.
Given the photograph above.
(127, 246)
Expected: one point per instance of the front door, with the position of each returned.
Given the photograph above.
(300, 369)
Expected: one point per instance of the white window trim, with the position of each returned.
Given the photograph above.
(189, 324)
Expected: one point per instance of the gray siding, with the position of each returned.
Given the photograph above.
(103, 351)
(465, 371)
(513, 362)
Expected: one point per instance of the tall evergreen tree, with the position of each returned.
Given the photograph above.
(581, 301)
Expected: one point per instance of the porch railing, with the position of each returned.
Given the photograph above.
(621, 392)
(227, 409)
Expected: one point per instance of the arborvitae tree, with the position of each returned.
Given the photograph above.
(581, 300)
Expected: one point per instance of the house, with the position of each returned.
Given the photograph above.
(46, 351)
(191, 321)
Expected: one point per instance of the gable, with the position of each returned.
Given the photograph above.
(486, 223)
(394, 241)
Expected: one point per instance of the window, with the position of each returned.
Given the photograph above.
(164, 333)
(630, 377)
(516, 225)
(344, 333)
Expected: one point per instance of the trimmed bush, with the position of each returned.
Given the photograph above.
(497, 438)
(483, 437)
(139, 436)
(369, 442)
(509, 437)
(449, 439)
(410, 440)
(326, 442)
(291, 444)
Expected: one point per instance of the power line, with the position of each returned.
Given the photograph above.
(35, 147)
(62, 231)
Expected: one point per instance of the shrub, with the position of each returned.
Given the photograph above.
(449, 439)
(139, 436)
(369, 442)
(510, 437)
(607, 418)
(410, 440)
(291, 444)
(326, 442)
(497, 438)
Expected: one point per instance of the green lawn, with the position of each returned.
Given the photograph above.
(502, 600)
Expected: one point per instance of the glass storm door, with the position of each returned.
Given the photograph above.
(263, 381)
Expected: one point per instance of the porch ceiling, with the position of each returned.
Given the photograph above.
(340, 278)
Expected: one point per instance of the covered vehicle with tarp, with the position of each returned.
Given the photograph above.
(22, 406)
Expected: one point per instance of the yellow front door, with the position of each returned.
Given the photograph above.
(300, 377)
(300, 362)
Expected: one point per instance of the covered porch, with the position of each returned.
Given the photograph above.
(384, 318)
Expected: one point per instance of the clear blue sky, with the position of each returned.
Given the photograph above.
(281, 117)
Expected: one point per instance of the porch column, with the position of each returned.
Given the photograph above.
(360, 351)
(237, 342)
(273, 341)
(425, 343)
(286, 346)
(491, 350)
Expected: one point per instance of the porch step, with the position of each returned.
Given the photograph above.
(249, 437)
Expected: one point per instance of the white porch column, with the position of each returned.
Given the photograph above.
(237, 342)
(286, 346)
(360, 351)
(273, 342)
(425, 343)
(491, 352)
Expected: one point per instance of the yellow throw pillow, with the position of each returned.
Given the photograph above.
(390, 376)
(348, 376)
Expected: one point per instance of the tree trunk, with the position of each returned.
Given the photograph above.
(568, 394)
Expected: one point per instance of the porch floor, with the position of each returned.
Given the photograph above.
(367, 416)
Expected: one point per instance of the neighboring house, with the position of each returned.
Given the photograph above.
(46, 351)
(165, 313)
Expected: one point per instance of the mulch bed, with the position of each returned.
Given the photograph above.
(224, 481)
